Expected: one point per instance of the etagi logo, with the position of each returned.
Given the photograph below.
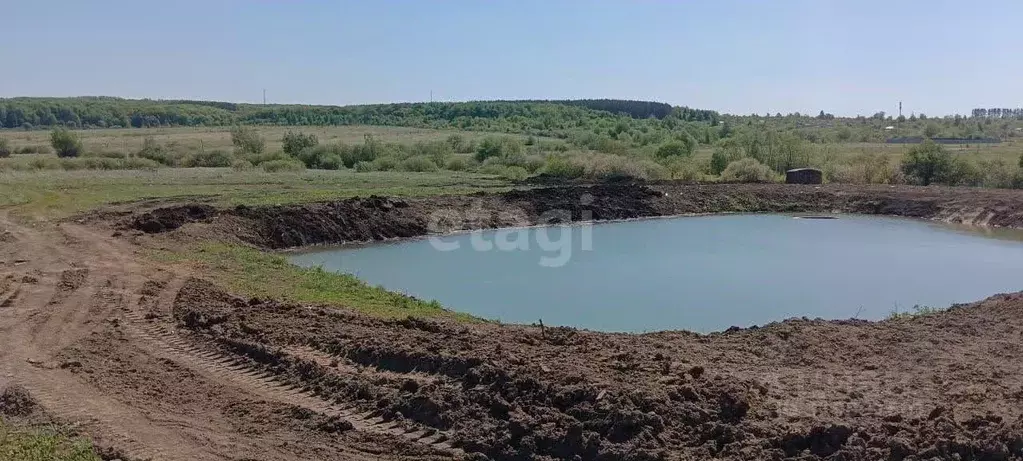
(552, 231)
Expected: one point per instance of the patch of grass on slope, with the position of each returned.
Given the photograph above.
(42, 445)
(48, 194)
(250, 272)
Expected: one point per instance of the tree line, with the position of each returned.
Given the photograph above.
(998, 113)
(105, 112)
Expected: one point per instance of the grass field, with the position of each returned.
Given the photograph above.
(58, 193)
(129, 140)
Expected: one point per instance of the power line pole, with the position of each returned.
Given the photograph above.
(264, 96)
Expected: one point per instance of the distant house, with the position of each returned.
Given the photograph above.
(889, 128)
(804, 176)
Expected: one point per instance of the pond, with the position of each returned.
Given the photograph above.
(696, 273)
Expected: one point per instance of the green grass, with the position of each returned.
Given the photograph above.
(50, 194)
(916, 311)
(130, 140)
(42, 445)
(250, 272)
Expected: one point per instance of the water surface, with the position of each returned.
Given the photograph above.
(696, 273)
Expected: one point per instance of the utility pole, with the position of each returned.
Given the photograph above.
(898, 121)
(264, 96)
(431, 95)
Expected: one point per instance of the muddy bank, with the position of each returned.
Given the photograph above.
(943, 386)
(379, 218)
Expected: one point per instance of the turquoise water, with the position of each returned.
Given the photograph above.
(695, 273)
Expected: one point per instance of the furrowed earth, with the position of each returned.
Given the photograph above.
(154, 360)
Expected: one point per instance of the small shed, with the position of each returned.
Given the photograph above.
(804, 176)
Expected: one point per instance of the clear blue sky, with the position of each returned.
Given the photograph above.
(846, 57)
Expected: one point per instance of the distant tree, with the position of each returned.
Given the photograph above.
(844, 134)
(678, 148)
(928, 163)
(491, 146)
(66, 143)
(295, 142)
(932, 130)
(247, 140)
(725, 131)
(5, 148)
(718, 162)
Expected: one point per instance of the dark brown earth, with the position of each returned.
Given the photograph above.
(379, 218)
(159, 363)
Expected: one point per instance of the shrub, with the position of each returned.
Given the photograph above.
(718, 161)
(619, 168)
(38, 149)
(156, 152)
(209, 159)
(457, 164)
(678, 148)
(327, 156)
(928, 162)
(493, 146)
(564, 168)
(259, 159)
(748, 170)
(331, 162)
(612, 146)
(368, 151)
(365, 167)
(5, 148)
(247, 140)
(489, 147)
(294, 142)
(685, 169)
(533, 163)
(385, 164)
(457, 143)
(242, 165)
(996, 173)
(417, 164)
(437, 151)
(278, 166)
(864, 169)
(66, 143)
(514, 173)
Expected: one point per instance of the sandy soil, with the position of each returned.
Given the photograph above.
(158, 363)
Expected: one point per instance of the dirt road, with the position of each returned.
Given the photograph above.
(78, 330)
(158, 363)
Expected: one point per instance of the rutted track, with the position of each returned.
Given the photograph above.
(246, 373)
(81, 330)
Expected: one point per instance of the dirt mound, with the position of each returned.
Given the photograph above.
(172, 217)
(351, 220)
(16, 401)
(793, 390)
(380, 218)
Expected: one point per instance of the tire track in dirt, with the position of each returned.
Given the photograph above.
(229, 368)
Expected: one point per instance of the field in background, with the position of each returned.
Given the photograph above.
(130, 140)
(58, 193)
